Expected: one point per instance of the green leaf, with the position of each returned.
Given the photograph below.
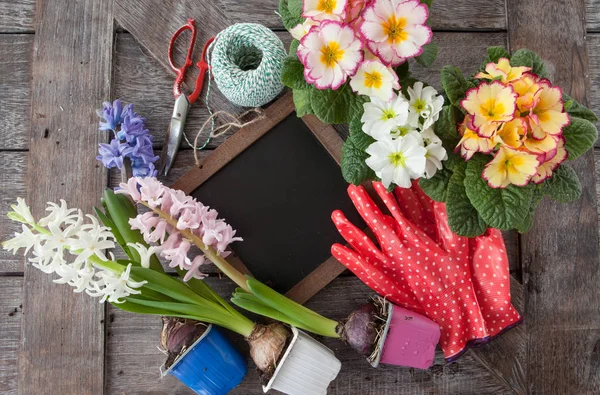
(402, 71)
(463, 218)
(580, 135)
(292, 74)
(295, 8)
(139, 309)
(454, 84)
(429, 55)
(294, 48)
(446, 128)
(436, 187)
(302, 102)
(335, 106)
(166, 285)
(576, 109)
(500, 208)
(113, 228)
(354, 169)
(288, 18)
(525, 57)
(564, 185)
(527, 222)
(495, 53)
(427, 3)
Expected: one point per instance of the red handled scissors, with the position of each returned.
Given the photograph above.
(182, 100)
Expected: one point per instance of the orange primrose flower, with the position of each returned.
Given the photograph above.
(490, 104)
(546, 169)
(502, 71)
(510, 167)
(471, 142)
(512, 133)
(548, 116)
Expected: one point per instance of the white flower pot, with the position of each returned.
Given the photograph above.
(306, 368)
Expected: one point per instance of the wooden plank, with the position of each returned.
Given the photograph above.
(132, 358)
(15, 75)
(12, 179)
(10, 323)
(16, 16)
(465, 14)
(593, 44)
(560, 253)
(593, 16)
(62, 343)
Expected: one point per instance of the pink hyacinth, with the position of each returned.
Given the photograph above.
(189, 215)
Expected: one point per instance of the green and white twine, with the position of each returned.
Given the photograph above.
(245, 61)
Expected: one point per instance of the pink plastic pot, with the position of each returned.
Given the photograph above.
(408, 339)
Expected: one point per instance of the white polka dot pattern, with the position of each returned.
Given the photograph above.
(421, 265)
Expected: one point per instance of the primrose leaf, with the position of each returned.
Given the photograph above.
(463, 218)
(580, 135)
(446, 128)
(295, 8)
(288, 18)
(454, 84)
(403, 72)
(294, 48)
(500, 208)
(496, 53)
(525, 57)
(335, 106)
(292, 74)
(436, 187)
(564, 185)
(576, 109)
(427, 3)
(354, 169)
(429, 55)
(302, 102)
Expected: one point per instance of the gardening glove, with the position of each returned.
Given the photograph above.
(437, 274)
(488, 260)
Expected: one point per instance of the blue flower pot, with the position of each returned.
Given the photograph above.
(211, 366)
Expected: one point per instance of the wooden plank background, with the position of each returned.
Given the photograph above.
(115, 352)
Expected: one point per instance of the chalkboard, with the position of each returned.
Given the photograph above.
(277, 185)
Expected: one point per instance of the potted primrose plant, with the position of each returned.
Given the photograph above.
(198, 354)
(176, 221)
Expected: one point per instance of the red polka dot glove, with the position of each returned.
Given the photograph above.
(437, 275)
(488, 258)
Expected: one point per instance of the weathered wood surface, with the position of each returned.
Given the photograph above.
(133, 359)
(560, 254)
(16, 16)
(12, 179)
(62, 336)
(593, 15)
(10, 324)
(15, 91)
(593, 45)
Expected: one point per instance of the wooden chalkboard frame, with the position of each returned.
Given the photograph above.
(238, 143)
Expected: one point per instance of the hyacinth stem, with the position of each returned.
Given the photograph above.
(220, 262)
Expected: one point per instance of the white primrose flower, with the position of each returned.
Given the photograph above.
(381, 117)
(436, 153)
(374, 79)
(23, 214)
(113, 287)
(397, 160)
(144, 252)
(425, 105)
(301, 29)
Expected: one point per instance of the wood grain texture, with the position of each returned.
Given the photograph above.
(132, 358)
(560, 253)
(12, 179)
(10, 323)
(593, 45)
(16, 16)
(62, 342)
(15, 91)
(465, 15)
(593, 15)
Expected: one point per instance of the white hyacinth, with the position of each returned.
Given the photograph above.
(65, 230)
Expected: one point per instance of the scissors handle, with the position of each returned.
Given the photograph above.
(191, 26)
(202, 69)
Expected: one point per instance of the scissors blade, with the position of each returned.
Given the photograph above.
(174, 134)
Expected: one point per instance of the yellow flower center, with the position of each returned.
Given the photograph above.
(492, 109)
(331, 53)
(401, 131)
(326, 6)
(419, 105)
(373, 80)
(397, 159)
(394, 29)
(388, 114)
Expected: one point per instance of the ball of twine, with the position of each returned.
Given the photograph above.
(246, 61)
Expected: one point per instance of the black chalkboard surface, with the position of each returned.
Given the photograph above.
(279, 194)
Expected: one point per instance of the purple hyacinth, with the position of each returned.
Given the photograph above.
(113, 154)
(131, 140)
